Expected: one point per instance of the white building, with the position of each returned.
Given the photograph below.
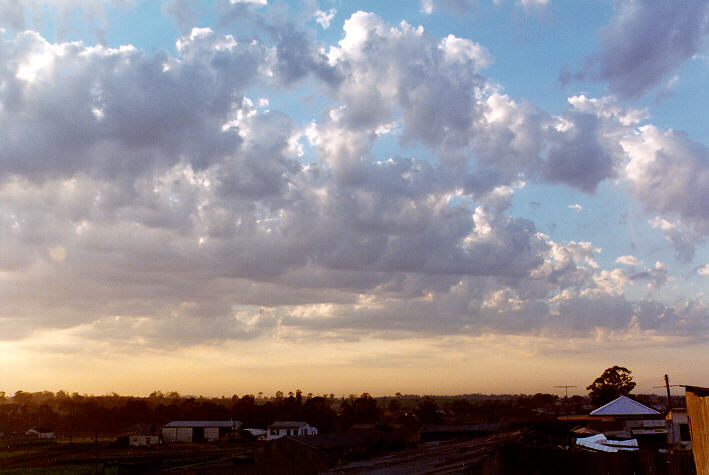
(678, 428)
(143, 440)
(282, 428)
(41, 433)
(632, 418)
(198, 431)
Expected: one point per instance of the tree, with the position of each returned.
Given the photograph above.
(615, 381)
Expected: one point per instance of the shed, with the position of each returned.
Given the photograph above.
(198, 431)
(41, 432)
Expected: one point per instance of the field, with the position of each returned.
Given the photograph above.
(87, 456)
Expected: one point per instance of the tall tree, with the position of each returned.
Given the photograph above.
(615, 381)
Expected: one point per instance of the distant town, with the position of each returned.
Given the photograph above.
(609, 431)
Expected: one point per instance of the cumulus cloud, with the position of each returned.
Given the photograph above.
(148, 196)
(669, 173)
(646, 41)
(436, 89)
(629, 261)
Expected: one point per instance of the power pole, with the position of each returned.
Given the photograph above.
(669, 398)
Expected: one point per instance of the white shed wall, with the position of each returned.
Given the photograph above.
(211, 433)
(184, 434)
(169, 434)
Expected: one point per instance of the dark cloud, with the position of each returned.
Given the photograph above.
(646, 41)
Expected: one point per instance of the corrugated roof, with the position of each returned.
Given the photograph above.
(624, 406)
(600, 443)
(229, 424)
(288, 424)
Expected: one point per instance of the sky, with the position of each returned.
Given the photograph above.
(423, 196)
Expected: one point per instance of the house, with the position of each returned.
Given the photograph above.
(678, 428)
(634, 420)
(623, 419)
(283, 428)
(40, 433)
(198, 431)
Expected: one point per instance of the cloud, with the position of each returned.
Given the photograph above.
(629, 261)
(703, 270)
(576, 207)
(325, 18)
(435, 89)
(646, 41)
(683, 242)
(669, 173)
(184, 12)
(148, 197)
(463, 6)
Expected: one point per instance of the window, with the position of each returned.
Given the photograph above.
(274, 431)
(684, 432)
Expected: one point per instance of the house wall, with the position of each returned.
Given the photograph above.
(675, 429)
(143, 440)
(272, 434)
(184, 434)
(169, 434)
(177, 434)
(211, 434)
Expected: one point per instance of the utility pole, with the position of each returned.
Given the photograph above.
(669, 398)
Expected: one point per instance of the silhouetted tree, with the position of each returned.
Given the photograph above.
(427, 411)
(359, 410)
(615, 381)
(317, 412)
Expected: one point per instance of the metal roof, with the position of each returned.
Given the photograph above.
(600, 443)
(229, 424)
(624, 406)
(288, 425)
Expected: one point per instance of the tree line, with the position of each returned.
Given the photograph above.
(75, 414)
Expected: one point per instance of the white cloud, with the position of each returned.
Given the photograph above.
(703, 270)
(576, 207)
(325, 18)
(629, 260)
(427, 6)
(669, 173)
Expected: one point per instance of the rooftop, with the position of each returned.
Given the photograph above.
(229, 424)
(624, 406)
(288, 424)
